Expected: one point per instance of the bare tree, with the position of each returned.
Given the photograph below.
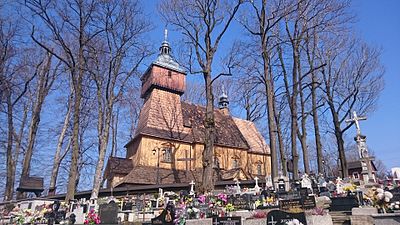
(121, 44)
(203, 23)
(60, 154)
(14, 84)
(69, 27)
(45, 76)
(352, 81)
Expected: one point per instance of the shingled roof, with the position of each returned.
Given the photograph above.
(116, 165)
(253, 138)
(227, 132)
(148, 175)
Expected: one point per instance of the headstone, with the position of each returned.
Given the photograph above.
(109, 213)
(339, 186)
(277, 217)
(235, 220)
(166, 217)
(306, 182)
(281, 184)
(127, 206)
(290, 204)
(240, 201)
(308, 202)
(344, 203)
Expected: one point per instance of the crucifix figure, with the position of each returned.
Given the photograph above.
(355, 119)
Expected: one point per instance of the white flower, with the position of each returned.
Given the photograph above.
(380, 196)
(388, 195)
(396, 206)
(387, 199)
(294, 222)
(380, 190)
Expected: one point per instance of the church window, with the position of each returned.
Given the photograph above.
(235, 164)
(216, 163)
(169, 74)
(167, 155)
(259, 168)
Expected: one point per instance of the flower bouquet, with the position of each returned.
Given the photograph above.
(380, 198)
(92, 218)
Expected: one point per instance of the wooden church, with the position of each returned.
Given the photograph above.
(169, 139)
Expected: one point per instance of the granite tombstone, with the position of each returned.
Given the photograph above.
(108, 213)
(277, 217)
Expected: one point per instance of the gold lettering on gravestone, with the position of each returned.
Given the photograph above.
(290, 204)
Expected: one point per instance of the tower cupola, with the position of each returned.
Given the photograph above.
(223, 102)
(164, 73)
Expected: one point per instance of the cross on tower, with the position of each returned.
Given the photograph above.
(355, 119)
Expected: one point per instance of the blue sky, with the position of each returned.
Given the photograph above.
(378, 23)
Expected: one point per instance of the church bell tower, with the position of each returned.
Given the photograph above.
(164, 73)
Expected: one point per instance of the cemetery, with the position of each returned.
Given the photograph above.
(275, 151)
(306, 201)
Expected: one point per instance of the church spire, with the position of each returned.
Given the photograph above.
(165, 49)
(223, 102)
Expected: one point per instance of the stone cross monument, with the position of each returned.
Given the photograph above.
(360, 139)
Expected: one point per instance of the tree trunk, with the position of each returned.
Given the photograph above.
(103, 143)
(303, 133)
(340, 141)
(57, 156)
(281, 145)
(208, 153)
(318, 143)
(293, 111)
(9, 190)
(271, 118)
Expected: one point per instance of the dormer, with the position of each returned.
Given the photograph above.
(164, 73)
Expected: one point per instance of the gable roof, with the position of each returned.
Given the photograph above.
(254, 138)
(357, 165)
(226, 130)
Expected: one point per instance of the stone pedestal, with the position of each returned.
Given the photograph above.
(319, 220)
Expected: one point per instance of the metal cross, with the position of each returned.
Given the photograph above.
(355, 119)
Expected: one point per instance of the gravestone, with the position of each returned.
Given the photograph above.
(240, 201)
(277, 217)
(306, 182)
(127, 206)
(235, 220)
(109, 213)
(344, 203)
(308, 202)
(281, 184)
(290, 204)
(166, 217)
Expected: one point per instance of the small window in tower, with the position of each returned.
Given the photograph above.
(167, 155)
(169, 74)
